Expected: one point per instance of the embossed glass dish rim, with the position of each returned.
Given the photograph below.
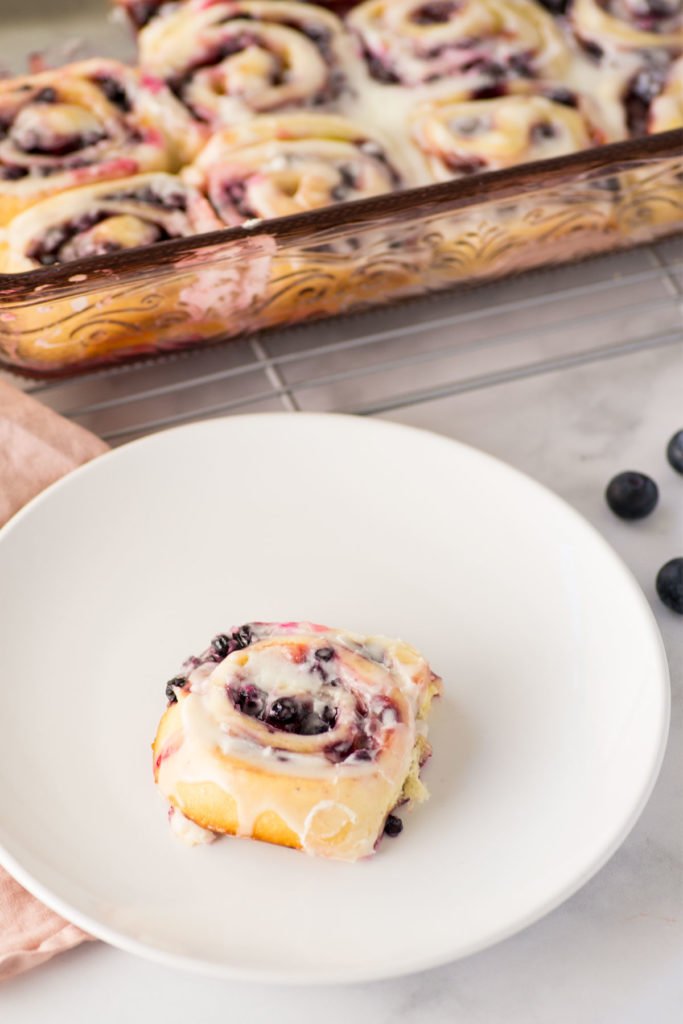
(422, 202)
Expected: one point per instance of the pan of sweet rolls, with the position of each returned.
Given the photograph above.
(270, 161)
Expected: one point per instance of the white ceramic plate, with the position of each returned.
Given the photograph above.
(546, 744)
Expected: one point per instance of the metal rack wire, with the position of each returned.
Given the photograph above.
(371, 363)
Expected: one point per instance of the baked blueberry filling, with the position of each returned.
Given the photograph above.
(46, 95)
(35, 144)
(555, 6)
(11, 172)
(70, 240)
(462, 164)
(250, 700)
(649, 15)
(235, 193)
(379, 70)
(286, 714)
(348, 182)
(563, 96)
(178, 682)
(490, 92)
(47, 170)
(147, 195)
(437, 13)
(642, 89)
(541, 131)
(592, 49)
(374, 150)
(114, 92)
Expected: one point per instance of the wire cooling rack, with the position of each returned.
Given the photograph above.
(379, 361)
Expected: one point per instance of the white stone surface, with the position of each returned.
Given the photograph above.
(613, 954)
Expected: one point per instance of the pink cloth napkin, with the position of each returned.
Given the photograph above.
(36, 447)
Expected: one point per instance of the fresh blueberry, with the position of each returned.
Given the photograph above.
(312, 725)
(250, 700)
(632, 495)
(285, 713)
(329, 715)
(670, 585)
(221, 645)
(393, 826)
(224, 644)
(674, 451)
(177, 681)
(242, 637)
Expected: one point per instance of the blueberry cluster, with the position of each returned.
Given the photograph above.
(225, 643)
(287, 714)
(633, 495)
(221, 646)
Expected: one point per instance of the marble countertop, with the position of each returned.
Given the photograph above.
(613, 953)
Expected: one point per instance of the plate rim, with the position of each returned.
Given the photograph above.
(413, 964)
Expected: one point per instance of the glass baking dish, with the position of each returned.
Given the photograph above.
(195, 291)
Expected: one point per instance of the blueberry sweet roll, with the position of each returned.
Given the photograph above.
(462, 138)
(470, 44)
(623, 26)
(85, 122)
(297, 735)
(226, 61)
(459, 138)
(104, 218)
(275, 166)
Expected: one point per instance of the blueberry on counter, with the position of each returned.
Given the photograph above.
(674, 451)
(670, 585)
(632, 495)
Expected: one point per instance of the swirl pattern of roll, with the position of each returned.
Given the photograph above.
(229, 60)
(475, 44)
(627, 25)
(459, 138)
(90, 121)
(275, 166)
(296, 734)
(104, 218)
